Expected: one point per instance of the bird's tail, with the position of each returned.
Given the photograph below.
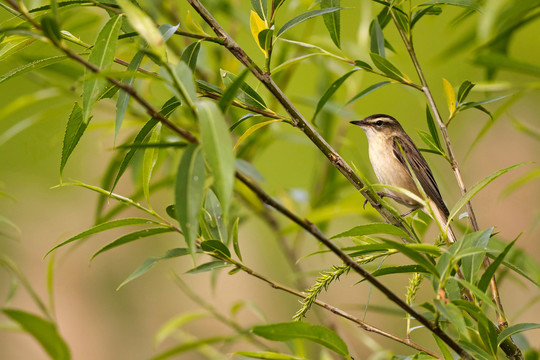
(442, 218)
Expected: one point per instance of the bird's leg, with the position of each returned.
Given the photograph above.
(382, 195)
(410, 211)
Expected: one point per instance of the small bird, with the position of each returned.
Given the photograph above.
(384, 133)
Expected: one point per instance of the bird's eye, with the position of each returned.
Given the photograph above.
(379, 123)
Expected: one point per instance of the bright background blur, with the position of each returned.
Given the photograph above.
(99, 322)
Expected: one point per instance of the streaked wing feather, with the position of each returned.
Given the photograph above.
(421, 170)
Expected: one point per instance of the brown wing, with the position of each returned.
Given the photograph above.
(421, 170)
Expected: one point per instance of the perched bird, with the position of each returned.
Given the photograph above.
(384, 133)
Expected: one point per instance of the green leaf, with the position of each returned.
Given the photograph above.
(488, 334)
(74, 130)
(123, 97)
(249, 170)
(146, 27)
(190, 345)
(500, 61)
(430, 142)
(247, 95)
(377, 38)
(414, 255)
(471, 4)
(218, 151)
(464, 90)
(444, 349)
(235, 242)
(13, 44)
(471, 264)
(136, 235)
(31, 66)
(430, 10)
(252, 129)
(50, 29)
(213, 225)
(476, 188)
(400, 269)
(43, 331)
(433, 128)
(514, 329)
(149, 161)
(189, 192)
(181, 82)
(388, 68)
(453, 314)
(267, 355)
(332, 20)
(102, 57)
(490, 271)
(303, 17)
(367, 90)
(230, 92)
(209, 266)
(476, 104)
(477, 292)
(330, 91)
(105, 226)
(265, 38)
(190, 55)
(150, 262)
(166, 110)
(215, 246)
(261, 8)
(302, 330)
(371, 229)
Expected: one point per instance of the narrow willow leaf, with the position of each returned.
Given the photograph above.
(209, 266)
(123, 97)
(149, 161)
(102, 57)
(444, 349)
(500, 61)
(246, 95)
(74, 130)
(401, 269)
(471, 264)
(367, 91)
(430, 10)
(166, 110)
(430, 142)
(388, 68)
(190, 55)
(261, 8)
(230, 92)
(43, 331)
(31, 66)
(476, 188)
(215, 246)
(476, 104)
(330, 91)
(303, 17)
(180, 82)
(302, 330)
(13, 44)
(464, 90)
(267, 355)
(377, 38)
(371, 229)
(150, 262)
(190, 345)
(236, 244)
(332, 20)
(252, 129)
(477, 292)
(257, 24)
(514, 329)
(454, 315)
(102, 227)
(488, 334)
(50, 29)
(218, 151)
(490, 271)
(248, 169)
(136, 235)
(175, 323)
(213, 224)
(189, 192)
(414, 255)
(450, 96)
(433, 128)
(265, 38)
(146, 27)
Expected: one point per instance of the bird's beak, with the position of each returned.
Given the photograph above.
(359, 123)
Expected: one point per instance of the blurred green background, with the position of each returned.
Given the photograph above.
(100, 323)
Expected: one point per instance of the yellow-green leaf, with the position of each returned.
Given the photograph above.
(450, 96)
(257, 25)
(251, 130)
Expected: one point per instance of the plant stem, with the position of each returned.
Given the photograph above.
(407, 41)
